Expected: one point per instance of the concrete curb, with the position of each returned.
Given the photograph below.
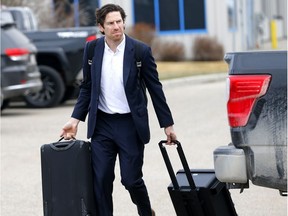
(197, 79)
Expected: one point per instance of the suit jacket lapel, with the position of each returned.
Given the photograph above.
(128, 55)
(97, 62)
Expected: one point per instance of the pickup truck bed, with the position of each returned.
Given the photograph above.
(60, 56)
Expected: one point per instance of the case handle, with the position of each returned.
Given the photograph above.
(183, 161)
(59, 146)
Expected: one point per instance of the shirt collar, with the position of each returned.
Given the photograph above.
(120, 47)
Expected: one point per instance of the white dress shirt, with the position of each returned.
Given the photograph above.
(112, 97)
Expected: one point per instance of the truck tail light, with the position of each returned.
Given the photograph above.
(91, 37)
(244, 90)
(17, 54)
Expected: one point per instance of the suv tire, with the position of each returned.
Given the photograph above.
(52, 92)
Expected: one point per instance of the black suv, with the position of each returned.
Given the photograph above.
(19, 71)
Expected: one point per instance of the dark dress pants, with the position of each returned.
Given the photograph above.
(116, 134)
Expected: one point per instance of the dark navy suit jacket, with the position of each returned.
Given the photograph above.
(88, 99)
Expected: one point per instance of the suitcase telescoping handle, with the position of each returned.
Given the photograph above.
(183, 161)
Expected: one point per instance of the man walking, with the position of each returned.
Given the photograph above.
(115, 100)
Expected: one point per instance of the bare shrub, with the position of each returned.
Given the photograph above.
(207, 49)
(168, 51)
(143, 32)
(64, 14)
(15, 2)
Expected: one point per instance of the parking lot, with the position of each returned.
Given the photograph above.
(198, 107)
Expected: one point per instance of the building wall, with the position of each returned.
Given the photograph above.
(276, 10)
(246, 35)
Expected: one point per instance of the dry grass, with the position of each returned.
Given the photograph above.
(169, 70)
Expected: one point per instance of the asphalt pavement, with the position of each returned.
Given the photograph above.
(198, 107)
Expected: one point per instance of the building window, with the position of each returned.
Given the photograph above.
(169, 15)
(232, 15)
(144, 11)
(194, 12)
(177, 16)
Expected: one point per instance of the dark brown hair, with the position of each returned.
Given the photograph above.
(103, 11)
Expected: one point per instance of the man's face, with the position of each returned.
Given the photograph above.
(113, 26)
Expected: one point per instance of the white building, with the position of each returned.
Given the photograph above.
(237, 24)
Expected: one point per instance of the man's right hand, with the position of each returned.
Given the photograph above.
(69, 130)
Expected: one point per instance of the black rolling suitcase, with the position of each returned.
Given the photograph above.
(196, 192)
(67, 183)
